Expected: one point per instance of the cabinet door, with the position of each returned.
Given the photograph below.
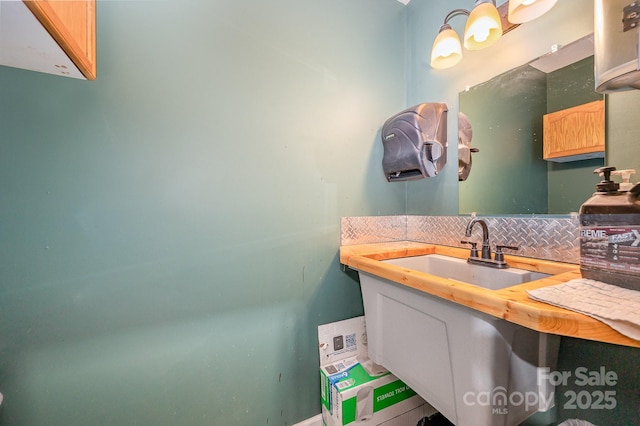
(574, 133)
(72, 24)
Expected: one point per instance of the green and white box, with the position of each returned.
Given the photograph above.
(354, 389)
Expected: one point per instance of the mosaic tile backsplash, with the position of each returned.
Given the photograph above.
(541, 238)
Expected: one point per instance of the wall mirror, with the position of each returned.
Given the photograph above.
(508, 174)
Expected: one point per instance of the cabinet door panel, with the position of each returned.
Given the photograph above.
(575, 133)
(72, 24)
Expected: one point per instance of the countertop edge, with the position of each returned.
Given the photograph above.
(511, 304)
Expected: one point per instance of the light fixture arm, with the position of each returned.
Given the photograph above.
(447, 49)
(486, 23)
(455, 12)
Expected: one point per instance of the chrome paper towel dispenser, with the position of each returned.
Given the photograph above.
(617, 45)
(415, 142)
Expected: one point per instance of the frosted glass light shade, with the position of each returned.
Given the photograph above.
(521, 11)
(446, 50)
(483, 28)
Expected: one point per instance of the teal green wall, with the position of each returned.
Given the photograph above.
(169, 233)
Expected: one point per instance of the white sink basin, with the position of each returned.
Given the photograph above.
(459, 270)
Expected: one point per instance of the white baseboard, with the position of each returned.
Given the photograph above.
(311, 421)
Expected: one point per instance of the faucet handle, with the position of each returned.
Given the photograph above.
(474, 247)
(499, 257)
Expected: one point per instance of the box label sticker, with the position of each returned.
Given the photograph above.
(616, 248)
(390, 394)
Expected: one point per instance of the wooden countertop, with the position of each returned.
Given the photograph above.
(511, 304)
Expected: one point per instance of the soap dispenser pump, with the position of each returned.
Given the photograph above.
(625, 175)
(610, 198)
(606, 185)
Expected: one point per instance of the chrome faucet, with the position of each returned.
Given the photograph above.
(486, 248)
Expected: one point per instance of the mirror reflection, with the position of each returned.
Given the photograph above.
(504, 124)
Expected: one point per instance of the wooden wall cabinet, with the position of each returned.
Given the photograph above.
(56, 37)
(574, 133)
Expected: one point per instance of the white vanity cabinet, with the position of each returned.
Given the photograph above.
(55, 37)
(476, 369)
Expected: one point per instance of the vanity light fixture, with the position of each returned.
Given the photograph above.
(483, 28)
(521, 11)
(447, 50)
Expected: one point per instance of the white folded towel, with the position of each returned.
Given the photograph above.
(616, 306)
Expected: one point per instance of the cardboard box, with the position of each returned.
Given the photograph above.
(354, 389)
